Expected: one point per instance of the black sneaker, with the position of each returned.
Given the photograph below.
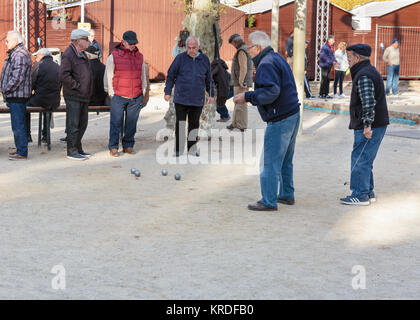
(77, 157)
(85, 154)
(30, 139)
(63, 139)
(355, 201)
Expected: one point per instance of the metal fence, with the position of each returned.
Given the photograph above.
(409, 41)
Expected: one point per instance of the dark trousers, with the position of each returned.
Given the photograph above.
(193, 113)
(338, 79)
(77, 122)
(308, 91)
(44, 124)
(325, 81)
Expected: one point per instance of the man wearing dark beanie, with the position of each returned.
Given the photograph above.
(369, 119)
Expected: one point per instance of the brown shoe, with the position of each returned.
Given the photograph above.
(260, 207)
(16, 157)
(129, 150)
(230, 127)
(114, 153)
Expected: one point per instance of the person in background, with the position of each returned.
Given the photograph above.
(392, 58)
(16, 82)
(46, 86)
(93, 42)
(326, 62)
(308, 91)
(98, 71)
(340, 69)
(289, 49)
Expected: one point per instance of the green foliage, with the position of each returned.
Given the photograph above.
(250, 21)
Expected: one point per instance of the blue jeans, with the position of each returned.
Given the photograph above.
(276, 177)
(223, 111)
(118, 106)
(361, 178)
(18, 119)
(393, 75)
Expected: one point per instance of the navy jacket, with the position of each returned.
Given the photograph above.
(275, 92)
(326, 56)
(191, 77)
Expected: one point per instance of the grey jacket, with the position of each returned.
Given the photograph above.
(16, 78)
(236, 69)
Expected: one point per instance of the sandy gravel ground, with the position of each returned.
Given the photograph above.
(157, 238)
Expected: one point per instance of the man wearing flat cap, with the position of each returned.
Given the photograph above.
(369, 120)
(76, 77)
(127, 83)
(241, 79)
(392, 58)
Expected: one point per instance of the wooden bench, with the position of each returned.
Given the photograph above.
(48, 113)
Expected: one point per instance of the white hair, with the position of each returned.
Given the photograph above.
(16, 35)
(193, 38)
(260, 38)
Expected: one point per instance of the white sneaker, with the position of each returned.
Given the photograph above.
(343, 96)
(336, 96)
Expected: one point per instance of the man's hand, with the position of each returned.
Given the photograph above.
(390, 64)
(210, 99)
(239, 98)
(368, 132)
(167, 97)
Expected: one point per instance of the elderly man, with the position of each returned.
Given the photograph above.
(241, 80)
(16, 90)
(76, 76)
(46, 86)
(326, 62)
(190, 73)
(275, 95)
(392, 58)
(99, 95)
(126, 82)
(93, 42)
(369, 119)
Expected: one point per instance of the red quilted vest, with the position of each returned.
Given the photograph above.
(127, 74)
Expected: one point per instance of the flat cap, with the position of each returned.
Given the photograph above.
(235, 37)
(361, 48)
(43, 51)
(130, 37)
(79, 34)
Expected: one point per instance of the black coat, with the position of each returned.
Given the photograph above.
(46, 84)
(221, 80)
(75, 74)
(99, 95)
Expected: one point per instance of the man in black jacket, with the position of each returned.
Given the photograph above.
(46, 86)
(369, 120)
(76, 76)
(98, 70)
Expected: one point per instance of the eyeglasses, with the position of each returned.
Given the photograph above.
(252, 46)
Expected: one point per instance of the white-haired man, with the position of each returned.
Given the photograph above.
(190, 73)
(275, 95)
(16, 88)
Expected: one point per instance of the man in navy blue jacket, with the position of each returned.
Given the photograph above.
(191, 74)
(275, 95)
(326, 62)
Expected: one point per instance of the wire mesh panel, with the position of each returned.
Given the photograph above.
(409, 43)
(321, 32)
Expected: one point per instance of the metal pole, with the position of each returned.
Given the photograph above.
(275, 25)
(82, 9)
(299, 52)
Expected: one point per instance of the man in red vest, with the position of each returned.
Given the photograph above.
(126, 83)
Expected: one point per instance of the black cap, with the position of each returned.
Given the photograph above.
(92, 49)
(233, 37)
(361, 48)
(130, 37)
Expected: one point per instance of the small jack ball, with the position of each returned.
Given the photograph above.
(137, 173)
(177, 176)
(133, 170)
(164, 172)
